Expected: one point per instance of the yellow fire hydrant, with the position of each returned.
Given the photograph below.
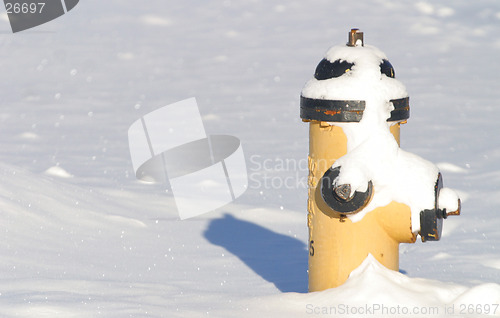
(366, 195)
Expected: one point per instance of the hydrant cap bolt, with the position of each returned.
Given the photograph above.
(354, 36)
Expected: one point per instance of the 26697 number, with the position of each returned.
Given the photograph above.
(24, 7)
(478, 309)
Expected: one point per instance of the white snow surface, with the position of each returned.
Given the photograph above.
(386, 293)
(102, 244)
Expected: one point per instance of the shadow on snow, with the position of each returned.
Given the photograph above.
(279, 259)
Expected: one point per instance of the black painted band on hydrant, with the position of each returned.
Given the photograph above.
(347, 110)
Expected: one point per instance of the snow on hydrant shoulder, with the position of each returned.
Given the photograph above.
(359, 78)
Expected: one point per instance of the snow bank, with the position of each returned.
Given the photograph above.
(57, 171)
(375, 291)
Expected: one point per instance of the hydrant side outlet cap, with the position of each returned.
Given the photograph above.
(342, 204)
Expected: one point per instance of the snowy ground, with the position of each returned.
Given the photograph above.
(83, 238)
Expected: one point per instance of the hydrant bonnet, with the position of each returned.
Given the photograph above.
(341, 73)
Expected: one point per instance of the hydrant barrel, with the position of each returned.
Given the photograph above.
(337, 245)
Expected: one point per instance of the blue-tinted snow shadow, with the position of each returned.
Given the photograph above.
(279, 259)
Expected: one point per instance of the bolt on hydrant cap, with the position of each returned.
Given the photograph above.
(354, 36)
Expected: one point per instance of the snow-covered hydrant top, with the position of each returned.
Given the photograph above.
(355, 88)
